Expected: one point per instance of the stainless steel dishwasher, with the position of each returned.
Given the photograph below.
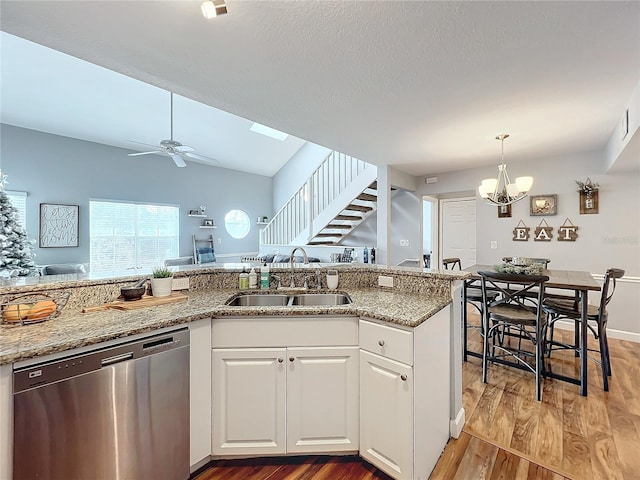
(120, 412)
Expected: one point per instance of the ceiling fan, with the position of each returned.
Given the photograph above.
(176, 150)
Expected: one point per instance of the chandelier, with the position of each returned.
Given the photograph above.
(500, 191)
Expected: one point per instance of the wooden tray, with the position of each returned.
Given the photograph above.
(145, 301)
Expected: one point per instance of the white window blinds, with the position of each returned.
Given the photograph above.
(126, 235)
(19, 202)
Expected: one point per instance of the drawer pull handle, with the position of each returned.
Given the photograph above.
(291, 359)
(403, 378)
(280, 359)
(381, 343)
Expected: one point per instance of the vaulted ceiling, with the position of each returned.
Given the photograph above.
(424, 86)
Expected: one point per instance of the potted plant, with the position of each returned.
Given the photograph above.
(161, 282)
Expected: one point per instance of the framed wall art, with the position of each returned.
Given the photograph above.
(58, 225)
(543, 205)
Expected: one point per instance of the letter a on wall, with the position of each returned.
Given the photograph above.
(543, 234)
(521, 232)
(568, 232)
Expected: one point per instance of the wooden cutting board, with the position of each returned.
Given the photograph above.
(145, 301)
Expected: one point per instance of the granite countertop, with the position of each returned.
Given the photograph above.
(75, 330)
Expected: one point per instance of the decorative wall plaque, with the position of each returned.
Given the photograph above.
(58, 225)
(521, 232)
(568, 232)
(504, 211)
(588, 196)
(543, 233)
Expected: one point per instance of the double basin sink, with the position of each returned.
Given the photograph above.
(288, 300)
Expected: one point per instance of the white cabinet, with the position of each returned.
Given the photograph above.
(249, 401)
(322, 399)
(200, 392)
(404, 395)
(386, 427)
(6, 421)
(298, 395)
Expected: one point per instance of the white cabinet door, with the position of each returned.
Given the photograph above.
(249, 401)
(386, 419)
(200, 391)
(322, 399)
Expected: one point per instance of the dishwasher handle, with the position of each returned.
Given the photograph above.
(105, 362)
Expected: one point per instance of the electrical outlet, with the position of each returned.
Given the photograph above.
(180, 283)
(494, 244)
(219, 241)
(385, 281)
(404, 243)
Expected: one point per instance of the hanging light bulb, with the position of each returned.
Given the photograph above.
(500, 190)
(213, 8)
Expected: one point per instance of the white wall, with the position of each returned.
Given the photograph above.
(608, 239)
(55, 169)
(623, 153)
(295, 172)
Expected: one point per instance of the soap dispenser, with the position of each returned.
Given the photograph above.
(243, 281)
(253, 278)
(264, 277)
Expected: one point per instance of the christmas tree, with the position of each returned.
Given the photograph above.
(16, 256)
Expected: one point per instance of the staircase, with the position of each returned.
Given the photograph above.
(348, 219)
(338, 196)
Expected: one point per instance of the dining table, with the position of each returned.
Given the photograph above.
(576, 281)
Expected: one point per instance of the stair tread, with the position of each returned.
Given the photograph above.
(349, 217)
(329, 234)
(322, 243)
(340, 226)
(358, 208)
(367, 197)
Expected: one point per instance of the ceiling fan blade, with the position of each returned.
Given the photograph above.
(202, 157)
(144, 153)
(178, 160)
(185, 149)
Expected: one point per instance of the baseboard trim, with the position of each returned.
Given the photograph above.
(456, 425)
(611, 333)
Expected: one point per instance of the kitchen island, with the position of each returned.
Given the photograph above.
(418, 301)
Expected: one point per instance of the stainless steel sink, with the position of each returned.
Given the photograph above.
(281, 300)
(320, 299)
(256, 300)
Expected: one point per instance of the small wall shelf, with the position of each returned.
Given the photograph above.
(200, 215)
(208, 226)
(262, 223)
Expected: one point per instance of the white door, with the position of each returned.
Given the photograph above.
(249, 388)
(322, 399)
(458, 227)
(386, 418)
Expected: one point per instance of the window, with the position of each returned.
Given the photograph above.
(127, 235)
(237, 223)
(19, 202)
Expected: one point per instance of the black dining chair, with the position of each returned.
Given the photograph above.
(473, 297)
(508, 318)
(569, 309)
(450, 263)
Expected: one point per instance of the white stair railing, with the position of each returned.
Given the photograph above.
(326, 183)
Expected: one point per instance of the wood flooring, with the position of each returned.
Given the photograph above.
(508, 435)
(594, 437)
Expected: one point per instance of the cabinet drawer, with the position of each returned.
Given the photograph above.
(282, 331)
(390, 342)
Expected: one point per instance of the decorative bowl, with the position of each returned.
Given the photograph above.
(132, 293)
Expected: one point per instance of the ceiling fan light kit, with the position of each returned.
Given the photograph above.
(501, 191)
(176, 150)
(213, 8)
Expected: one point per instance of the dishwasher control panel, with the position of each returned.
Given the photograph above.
(37, 375)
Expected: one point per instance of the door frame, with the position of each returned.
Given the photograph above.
(435, 226)
(441, 218)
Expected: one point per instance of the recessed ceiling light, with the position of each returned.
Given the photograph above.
(213, 8)
(269, 132)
